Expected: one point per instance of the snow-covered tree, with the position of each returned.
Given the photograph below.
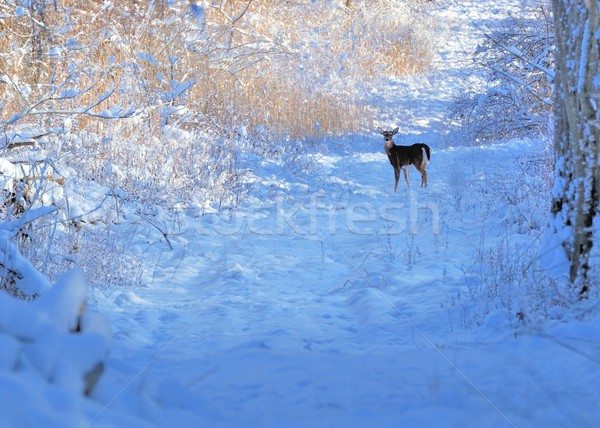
(516, 57)
(575, 223)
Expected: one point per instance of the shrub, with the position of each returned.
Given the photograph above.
(517, 58)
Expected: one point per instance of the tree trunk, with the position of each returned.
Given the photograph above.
(577, 136)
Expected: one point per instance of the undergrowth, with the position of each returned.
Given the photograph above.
(507, 282)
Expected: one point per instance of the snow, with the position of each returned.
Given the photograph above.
(582, 71)
(69, 93)
(30, 281)
(326, 299)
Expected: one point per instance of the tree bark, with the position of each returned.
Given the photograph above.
(577, 135)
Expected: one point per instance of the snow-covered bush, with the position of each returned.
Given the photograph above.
(518, 59)
(164, 166)
(52, 341)
(79, 229)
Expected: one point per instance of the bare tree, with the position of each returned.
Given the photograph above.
(575, 198)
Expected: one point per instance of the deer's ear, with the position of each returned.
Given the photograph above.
(380, 130)
(395, 131)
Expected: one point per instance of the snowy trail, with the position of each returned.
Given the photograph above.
(327, 305)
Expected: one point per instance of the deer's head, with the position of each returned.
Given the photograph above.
(388, 135)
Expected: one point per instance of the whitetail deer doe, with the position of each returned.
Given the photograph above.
(401, 157)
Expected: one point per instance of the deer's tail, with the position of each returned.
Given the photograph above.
(426, 153)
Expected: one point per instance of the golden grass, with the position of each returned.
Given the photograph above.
(287, 67)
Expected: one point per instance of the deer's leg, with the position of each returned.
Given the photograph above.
(406, 177)
(421, 169)
(396, 177)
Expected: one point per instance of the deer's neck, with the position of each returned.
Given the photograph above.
(388, 146)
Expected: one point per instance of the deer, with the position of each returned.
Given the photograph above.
(401, 157)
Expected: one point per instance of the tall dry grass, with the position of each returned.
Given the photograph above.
(290, 67)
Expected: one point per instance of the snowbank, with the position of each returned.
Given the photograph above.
(53, 349)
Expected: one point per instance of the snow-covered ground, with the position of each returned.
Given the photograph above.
(329, 300)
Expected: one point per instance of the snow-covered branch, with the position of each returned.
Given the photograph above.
(518, 58)
(18, 272)
(115, 112)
